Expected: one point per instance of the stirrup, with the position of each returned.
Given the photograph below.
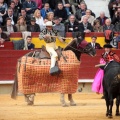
(55, 70)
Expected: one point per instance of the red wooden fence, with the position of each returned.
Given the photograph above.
(8, 60)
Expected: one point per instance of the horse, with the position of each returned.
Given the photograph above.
(111, 87)
(33, 76)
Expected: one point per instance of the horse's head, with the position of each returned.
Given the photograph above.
(79, 45)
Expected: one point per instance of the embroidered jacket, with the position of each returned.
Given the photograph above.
(110, 57)
(51, 33)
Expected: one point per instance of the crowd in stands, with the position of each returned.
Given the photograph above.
(66, 15)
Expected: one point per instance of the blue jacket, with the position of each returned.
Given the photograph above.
(44, 13)
(31, 5)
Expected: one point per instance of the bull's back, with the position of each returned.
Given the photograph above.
(111, 81)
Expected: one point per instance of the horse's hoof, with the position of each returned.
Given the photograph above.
(64, 105)
(30, 103)
(109, 116)
(72, 104)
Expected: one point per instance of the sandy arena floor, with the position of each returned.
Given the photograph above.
(47, 107)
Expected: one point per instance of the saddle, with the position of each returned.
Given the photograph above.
(43, 54)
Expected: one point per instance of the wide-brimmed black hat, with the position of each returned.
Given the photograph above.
(107, 46)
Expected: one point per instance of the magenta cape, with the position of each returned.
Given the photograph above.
(97, 83)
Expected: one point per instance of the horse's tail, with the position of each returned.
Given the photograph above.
(15, 85)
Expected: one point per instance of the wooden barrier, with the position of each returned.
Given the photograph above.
(8, 60)
(38, 43)
(7, 46)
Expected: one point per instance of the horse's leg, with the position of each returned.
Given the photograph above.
(29, 98)
(62, 100)
(117, 105)
(72, 103)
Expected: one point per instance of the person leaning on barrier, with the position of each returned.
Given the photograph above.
(49, 36)
(30, 45)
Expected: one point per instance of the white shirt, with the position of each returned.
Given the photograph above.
(93, 45)
(12, 22)
(40, 22)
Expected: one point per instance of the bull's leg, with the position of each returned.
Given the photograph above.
(29, 98)
(117, 106)
(107, 103)
(72, 103)
(110, 110)
(62, 100)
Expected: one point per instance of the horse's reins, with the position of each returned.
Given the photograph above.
(67, 43)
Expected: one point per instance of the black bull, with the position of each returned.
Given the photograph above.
(111, 86)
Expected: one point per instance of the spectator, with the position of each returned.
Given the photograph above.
(94, 44)
(3, 8)
(61, 12)
(25, 16)
(29, 6)
(39, 3)
(102, 18)
(97, 27)
(117, 27)
(30, 45)
(50, 17)
(76, 3)
(85, 26)
(39, 19)
(89, 16)
(18, 5)
(45, 10)
(9, 27)
(72, 25)
(3, 36)
(10, 14)
(116, 16)
(80, 11)
(58, 26)
(21, 24)
(108, 25)
(66, 5)
(15, 10)
(112, 6)
(45, 1)
(33, 27)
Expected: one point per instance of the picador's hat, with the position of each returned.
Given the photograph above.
(107, 46)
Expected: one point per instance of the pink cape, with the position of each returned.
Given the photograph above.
(97, 83)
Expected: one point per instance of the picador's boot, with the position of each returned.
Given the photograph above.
(54, 67)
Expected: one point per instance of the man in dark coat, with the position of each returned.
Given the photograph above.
(85, 26)
(9, 27)
(94, 44)
(30, 45)
(10, 14)
(102, 18)
(25, 16)
(72, 24)
(33, 27)
(61, 12)
(3, 36)
(108, 25)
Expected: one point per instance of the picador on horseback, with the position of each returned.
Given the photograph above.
(48, 34)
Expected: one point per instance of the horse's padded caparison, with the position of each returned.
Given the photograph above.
(33, 74)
